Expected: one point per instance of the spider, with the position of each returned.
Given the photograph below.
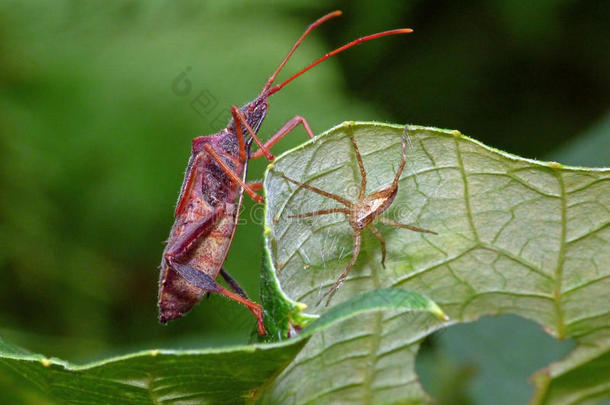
(362, 213)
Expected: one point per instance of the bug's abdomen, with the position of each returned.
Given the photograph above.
(176, 295)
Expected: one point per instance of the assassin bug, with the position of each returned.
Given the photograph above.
(362, 213)
(207, 212)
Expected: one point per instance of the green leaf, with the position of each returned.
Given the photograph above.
(231, 375)
(514, 236)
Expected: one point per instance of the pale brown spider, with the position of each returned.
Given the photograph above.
(361, 213)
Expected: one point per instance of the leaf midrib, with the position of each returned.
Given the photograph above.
(557, 293)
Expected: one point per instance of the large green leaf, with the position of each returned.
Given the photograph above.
(515, 236)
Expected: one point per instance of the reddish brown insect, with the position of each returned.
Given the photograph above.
(363, 212)
(207, 212)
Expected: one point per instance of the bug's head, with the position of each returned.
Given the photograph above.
(255, 112)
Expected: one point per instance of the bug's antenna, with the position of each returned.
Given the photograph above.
(296, 45)
(277, 87)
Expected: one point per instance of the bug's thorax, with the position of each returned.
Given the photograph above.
(365, 211)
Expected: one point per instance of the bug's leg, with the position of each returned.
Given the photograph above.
(316, 190)
(232, 175)
(391, 222)
(288, 126)
(256, 309)
(238, 117)
(333, 289)
(195, 277)
(379, 237)
(233, 283)
(360, 165)
(255, 185)
(240, 136)
(205, 282)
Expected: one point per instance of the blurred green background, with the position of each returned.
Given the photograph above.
(96, 126)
